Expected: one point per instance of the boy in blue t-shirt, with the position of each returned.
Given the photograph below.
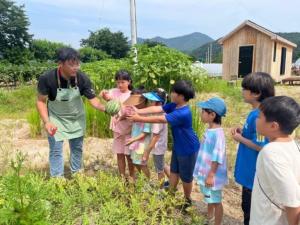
(256, 88)
(185, 141)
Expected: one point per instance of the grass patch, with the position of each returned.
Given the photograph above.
(17, 103)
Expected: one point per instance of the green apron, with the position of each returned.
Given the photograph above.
(67, 112)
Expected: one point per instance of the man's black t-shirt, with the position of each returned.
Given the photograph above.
(48, 84)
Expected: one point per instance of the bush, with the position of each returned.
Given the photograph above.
(157, 66)
(89, 54)
(11, 73)
(44, 50)
(102, 73)
(161, 66)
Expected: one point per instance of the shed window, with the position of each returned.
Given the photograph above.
(283, 61)
(274, 55)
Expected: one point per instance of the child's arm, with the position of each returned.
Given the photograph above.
(148, 110)
(293, 215)
(137, 138)
(148, 119)
(209, 182)
(237, 136)
(151, 145)
(105, 95)
(151, 109)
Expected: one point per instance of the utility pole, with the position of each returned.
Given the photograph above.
(208, 55)
(133, 28)
(211, 53)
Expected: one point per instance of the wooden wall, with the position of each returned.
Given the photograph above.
(275, 66)
(262, 55)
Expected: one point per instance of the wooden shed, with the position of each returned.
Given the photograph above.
(253, 48)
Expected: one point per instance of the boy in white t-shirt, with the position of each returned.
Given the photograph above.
(276, 192)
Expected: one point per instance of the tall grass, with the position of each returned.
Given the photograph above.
(34, 121)
(97, 122)
(16, 103)
(205, 84)
(198, 125)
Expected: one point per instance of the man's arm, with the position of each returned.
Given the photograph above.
(95, 102)
(41, 105)
(293, 215)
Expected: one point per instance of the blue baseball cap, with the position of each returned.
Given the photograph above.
(152, 96)
(215, 104)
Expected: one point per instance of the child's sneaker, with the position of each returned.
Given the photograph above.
(186, 205)
(166, 184)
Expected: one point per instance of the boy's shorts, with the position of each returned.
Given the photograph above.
(159, 163)
(137, 153)
(184, 166)
(137, 159)
(211, 196)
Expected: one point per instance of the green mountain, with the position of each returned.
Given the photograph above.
(200, 53)
(186, 43)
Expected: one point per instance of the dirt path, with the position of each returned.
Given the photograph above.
(15, 136)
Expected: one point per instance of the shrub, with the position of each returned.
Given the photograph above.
(89, 54)
(10, 73)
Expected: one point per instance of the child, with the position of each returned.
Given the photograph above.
(140, 134)
(185, 141)
(276, 191)
(210, 169)
(121, 128)
(159, 141)
(256, 88)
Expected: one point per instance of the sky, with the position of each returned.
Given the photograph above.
(69, 21)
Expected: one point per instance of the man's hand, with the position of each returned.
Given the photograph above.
(50, 128)
(210, 180)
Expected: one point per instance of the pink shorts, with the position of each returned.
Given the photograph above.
(119, 144)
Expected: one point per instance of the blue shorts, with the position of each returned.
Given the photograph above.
(211, 196)
(184, 166)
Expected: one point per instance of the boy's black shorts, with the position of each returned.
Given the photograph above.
(184, 166)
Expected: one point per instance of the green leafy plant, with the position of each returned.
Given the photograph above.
(31, 198)
(22, 197)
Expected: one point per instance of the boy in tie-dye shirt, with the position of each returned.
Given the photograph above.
(210, 171)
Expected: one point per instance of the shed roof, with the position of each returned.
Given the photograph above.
(271, 34)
